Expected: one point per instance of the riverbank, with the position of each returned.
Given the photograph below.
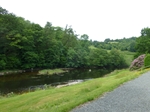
(5, 72)
(40, 72)
(66, 98)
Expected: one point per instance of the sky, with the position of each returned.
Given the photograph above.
(99, 19)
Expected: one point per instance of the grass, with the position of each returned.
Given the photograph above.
(66, 98)
(128, 56)
(50, 71)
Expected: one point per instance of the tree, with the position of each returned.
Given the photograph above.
(147, 60)
(107, 40)
(69, 38)
(84, 42)
(132, 47)
(26, 45)
(98, 57)
(143, 42)
(10, 38)
(116, 59)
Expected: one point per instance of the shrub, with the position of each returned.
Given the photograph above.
(138, 62)
(147, 60)
(2, 64)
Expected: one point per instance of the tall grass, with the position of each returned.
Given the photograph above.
(66, 98)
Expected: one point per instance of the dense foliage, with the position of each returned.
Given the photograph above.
(142, 47)
(26, 45)
(147, 60)
(143, 42)
(125, 44)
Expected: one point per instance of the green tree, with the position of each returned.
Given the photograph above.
(116, 59)
(98, 57)
(143, 42)
(10, 33)
(107, 40)
(69, 38)
(26, 45)
(147, 60)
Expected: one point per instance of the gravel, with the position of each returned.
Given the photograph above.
(133, 96)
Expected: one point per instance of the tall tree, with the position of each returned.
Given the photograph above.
(143, 42)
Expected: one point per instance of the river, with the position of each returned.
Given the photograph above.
(29, 81)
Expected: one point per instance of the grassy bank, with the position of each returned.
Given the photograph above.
(67, 98)
(51, 71)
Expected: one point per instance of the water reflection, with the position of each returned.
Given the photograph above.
(22, 82)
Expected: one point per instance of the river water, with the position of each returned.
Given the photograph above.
(27, 81)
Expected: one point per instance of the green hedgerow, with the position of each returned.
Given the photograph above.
(147, 60)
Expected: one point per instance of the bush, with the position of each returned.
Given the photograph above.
(2, 64)
(117, 59)
(147, 60)
(138, 62)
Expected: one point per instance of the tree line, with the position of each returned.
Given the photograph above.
(125, 44)
(143, 42)
(26, 45)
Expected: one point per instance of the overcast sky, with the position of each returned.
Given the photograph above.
(100, 19)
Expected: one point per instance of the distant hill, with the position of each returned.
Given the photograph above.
(125, 44)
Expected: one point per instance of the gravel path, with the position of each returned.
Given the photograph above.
(133, 96)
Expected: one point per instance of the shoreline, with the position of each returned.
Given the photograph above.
(6, 72)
